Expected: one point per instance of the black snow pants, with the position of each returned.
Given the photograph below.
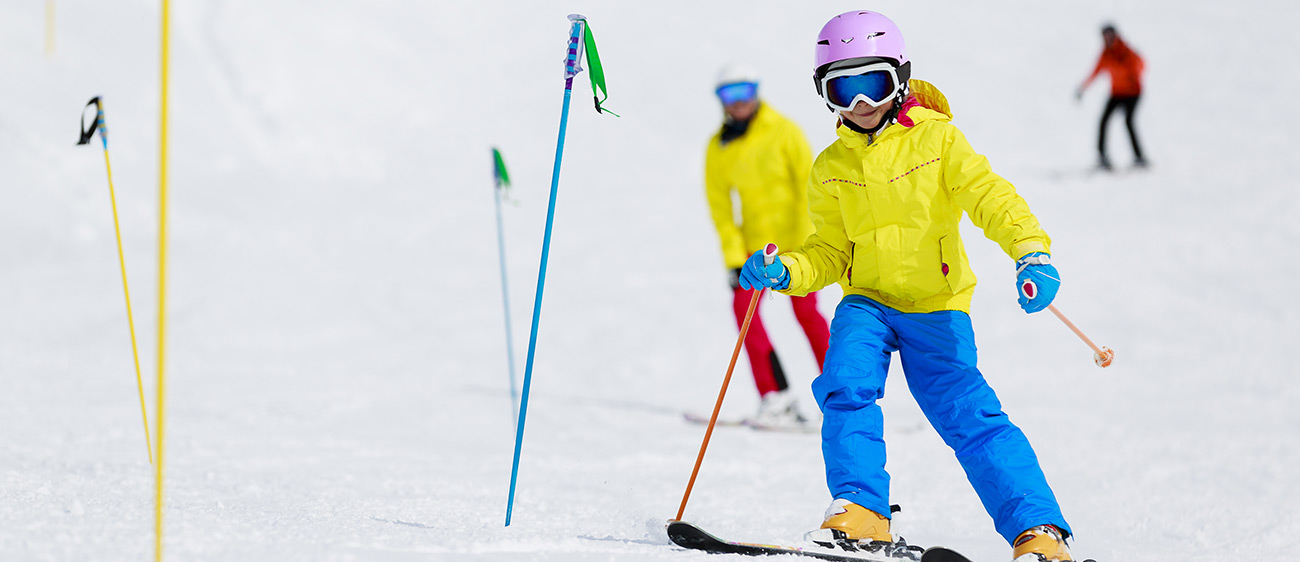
(1129, 103)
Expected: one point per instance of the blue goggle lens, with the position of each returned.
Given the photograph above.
(732, 93)
(877, 86)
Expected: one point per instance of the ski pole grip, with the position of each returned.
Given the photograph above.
(1029, 289)
(769, 254)
(571, 68)
(87, 134)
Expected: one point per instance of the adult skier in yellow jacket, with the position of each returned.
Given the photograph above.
(886, 200)
(762, 158)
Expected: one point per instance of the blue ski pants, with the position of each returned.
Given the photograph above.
(937, 351)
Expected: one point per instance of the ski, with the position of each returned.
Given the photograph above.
(1095, 172)
(941, 554)
(805, 427)
(746, 422)
(704, 420)
(687, 535)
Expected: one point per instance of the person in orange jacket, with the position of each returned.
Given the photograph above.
(762, 158)
(1125, 69)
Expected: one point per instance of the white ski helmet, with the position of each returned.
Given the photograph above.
(736, 73)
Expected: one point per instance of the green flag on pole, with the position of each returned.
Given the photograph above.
(597, 73)
(500, 174)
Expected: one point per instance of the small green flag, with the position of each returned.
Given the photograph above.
(499, 172)
(599, 93)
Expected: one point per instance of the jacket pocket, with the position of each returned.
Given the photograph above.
(864, 272)
(955, 266)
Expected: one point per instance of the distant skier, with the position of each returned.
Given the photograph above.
(1125, 68)
(887, 199)
(762, 158)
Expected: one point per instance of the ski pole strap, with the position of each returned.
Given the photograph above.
(97, 124)
(1036, 258)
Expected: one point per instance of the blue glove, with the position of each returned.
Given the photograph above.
(1037, 281)
(755, 275)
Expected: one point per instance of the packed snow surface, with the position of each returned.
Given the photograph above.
(337, 378)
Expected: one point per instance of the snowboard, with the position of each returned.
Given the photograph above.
(687, 535)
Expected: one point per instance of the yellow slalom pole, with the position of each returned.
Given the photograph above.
(49, 27)
(162, 290)
(121, 259)
(86, 135)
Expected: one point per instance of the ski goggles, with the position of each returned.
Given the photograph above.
(738, 92)
(875, 83)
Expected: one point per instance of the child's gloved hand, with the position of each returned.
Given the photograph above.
(1037, 281)
(755, 275)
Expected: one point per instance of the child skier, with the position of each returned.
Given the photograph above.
(886, 200)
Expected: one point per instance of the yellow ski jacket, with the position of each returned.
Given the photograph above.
(768, 168)
(887, 209)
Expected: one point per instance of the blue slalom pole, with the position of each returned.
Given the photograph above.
(501, 182)
(571, 70)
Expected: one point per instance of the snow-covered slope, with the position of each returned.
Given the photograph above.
(337, 372)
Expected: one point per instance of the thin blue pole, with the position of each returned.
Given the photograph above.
(505, 299)
(570, 70)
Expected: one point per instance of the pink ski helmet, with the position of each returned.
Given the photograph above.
(857, 38)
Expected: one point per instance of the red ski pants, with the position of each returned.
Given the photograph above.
(768, 375)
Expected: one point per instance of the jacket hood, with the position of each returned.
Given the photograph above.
(925, 103)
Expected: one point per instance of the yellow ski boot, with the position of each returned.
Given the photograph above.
(849, 526)
(1044, 543)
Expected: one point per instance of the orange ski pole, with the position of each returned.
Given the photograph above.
(769, 255)
(1102, 356)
